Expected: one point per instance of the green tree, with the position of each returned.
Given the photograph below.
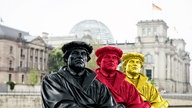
(33, 77)
(121, 68)
(152, 81)
(92, 64)
(56, 60)
(11, 84)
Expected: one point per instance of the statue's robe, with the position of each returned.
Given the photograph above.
(148, 92)
(61, 90)
(123, 92)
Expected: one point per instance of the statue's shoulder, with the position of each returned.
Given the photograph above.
(54, 75)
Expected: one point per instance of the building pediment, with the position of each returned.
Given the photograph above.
(38, 41)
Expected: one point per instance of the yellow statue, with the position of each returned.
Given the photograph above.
(132, 65)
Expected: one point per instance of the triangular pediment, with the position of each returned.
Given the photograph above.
(38, 41)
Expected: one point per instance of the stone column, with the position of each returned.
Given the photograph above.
(168, 70)
(33, 58)
(28, 58)
(43, 57)
(38, 59)
(156, 61)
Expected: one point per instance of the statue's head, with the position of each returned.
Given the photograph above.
(108, 57)
(69, 47)
(77, 54)
(133, 62)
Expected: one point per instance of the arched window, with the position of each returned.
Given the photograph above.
(149, 58)
(10, 65)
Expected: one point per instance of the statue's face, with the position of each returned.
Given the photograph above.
(77, 59)
(109, 62)
(133, 65)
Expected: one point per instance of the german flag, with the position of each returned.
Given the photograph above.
(155, 7)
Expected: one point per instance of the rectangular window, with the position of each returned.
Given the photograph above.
(143, 32)
(149, 59)
(21, 52)
(149, 31)
(10, 77)
(21, 63)
(155, 31)
(22, 78)
(149, 74)
(11, 50)
(10, 66)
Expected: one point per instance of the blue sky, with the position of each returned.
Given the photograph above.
(57, 17)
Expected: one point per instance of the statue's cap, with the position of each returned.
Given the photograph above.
(68, 47)
(131, 55)
(77, 45)
(107, 50)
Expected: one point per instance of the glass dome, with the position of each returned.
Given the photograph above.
(96, 29)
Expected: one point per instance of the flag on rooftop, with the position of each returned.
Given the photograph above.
(155, 7)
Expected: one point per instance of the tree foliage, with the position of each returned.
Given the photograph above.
(33, 77)
(11, 84)
(153, 82)
(56, 60)
(92, 63)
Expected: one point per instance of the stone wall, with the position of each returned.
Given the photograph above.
(3, 88)
(25, 88)
(33, 100)
(16, 100)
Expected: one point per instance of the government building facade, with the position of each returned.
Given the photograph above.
(166, 61)
(19, 53)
